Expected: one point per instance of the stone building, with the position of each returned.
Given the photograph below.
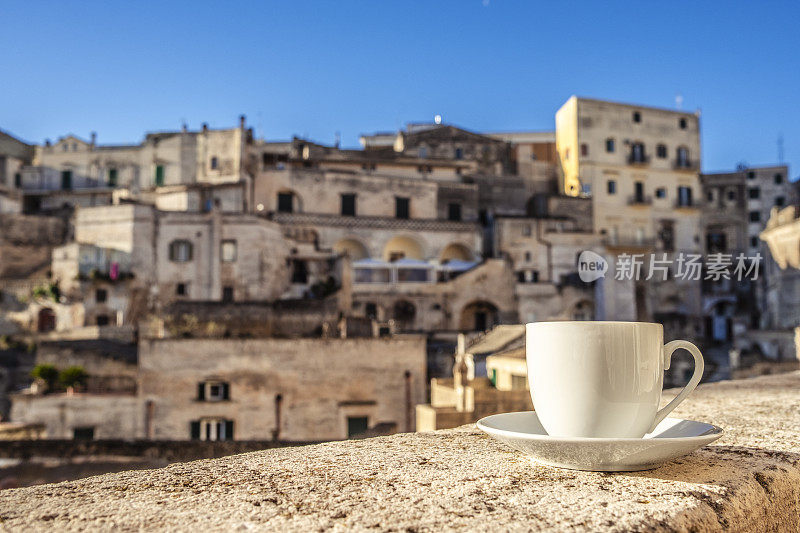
(14, 156)
(782, 293)
(246, 389)
(80, 172)
(738, 206)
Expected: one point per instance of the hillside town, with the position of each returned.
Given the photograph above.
(205, 284)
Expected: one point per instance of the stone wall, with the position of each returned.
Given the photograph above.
(748, 480)
(313, 385)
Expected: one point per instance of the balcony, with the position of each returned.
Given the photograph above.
(686, 164)
(638, 159)
(411, 224)
(457, 479)
(640, 200)
(685, 204)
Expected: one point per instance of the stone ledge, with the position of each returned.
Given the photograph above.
(457, 479)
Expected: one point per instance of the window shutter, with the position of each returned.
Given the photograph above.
(194, 429)
(229, 430)
(226, 390)
(201, 391)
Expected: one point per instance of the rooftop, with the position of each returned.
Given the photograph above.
(748, 480)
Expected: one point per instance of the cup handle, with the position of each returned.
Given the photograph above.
(669, 348)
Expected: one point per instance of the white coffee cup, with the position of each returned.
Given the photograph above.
(602, 379)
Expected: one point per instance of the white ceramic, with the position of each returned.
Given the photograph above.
(671, 439)
(602, 379)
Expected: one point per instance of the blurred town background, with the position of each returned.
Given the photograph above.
(208, 289)
(207, 285)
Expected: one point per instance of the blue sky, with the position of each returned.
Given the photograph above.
(315, 68)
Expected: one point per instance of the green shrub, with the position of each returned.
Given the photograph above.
(47, 373)
(74, 376)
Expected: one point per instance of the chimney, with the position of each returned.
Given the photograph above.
(184, 127)
(94, 138)
(47, 142)
(205, 127)
(242, 120)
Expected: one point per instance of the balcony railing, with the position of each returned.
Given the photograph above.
(685, 164)
(634, 159)
(639, 199)
(412, 224)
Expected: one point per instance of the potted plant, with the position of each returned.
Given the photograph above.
(46, 376)
(73, 378)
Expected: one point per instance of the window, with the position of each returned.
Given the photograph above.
(299, 271)
(754, 242)
(637, 117)
(716, 242)
(661, 151)
(349, 205)
(112, 177)
(683, 157)
(18, 180)
(66, 180)
(227, 294)
(423, 153)
(584, 150)
(356, 425)
(780, 201)
(754, 193)
(612, 187)
(684, 196)
(637, 153)
(371, 310)
(102, 320)
(454, 212)
(527, 257)
(661, 192)
(213, 391)
(211, 429)
(100, 295)
(159, 175)
(285, 202)
(778, 179)
(610, 146)
(83, 433)
(751, 175)
(710, 196)
(401, 207)
(682, 123)
(459, 153)
(638, 191)
(755, 216)
(228, 251)
(214, 163)
(526, 230)
(180, 251)
(180, 289)
(731, 195)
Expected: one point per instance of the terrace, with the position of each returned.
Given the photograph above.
(748, 480)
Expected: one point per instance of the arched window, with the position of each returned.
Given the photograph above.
(180, 251)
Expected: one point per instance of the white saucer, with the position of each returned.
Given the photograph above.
(672, 438)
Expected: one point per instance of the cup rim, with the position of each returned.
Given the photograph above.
(594, 322)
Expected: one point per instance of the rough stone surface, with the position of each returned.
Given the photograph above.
(457, 479)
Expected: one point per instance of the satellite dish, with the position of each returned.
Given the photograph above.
(437, 119)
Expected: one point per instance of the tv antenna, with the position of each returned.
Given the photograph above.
(678, 101)
(780, 148)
